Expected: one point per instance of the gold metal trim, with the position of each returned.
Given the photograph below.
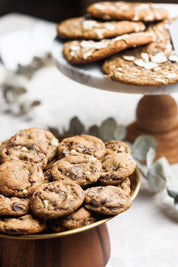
(135, 186)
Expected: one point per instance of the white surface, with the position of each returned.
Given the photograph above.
(91, 74)
(144, 236)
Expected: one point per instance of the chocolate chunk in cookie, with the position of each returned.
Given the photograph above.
(130, 11)
(82, 28)
(153, 65)
(19, 178)
(56, 199)
(23, 225)
(82, 52)
(13, 206)
(48, 178)
(109, 200)
(117, 146)
(81, 144)
(46, 141)
(82, 169)
(116, 167)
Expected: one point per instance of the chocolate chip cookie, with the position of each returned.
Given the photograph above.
(125, 185)
(23, 225)
(117, 146)
(130, 11)
(81, 144)
(116, 167)
(56, 199)
(82, 169)
(110, 200)
(13, 206)
(19, 178)
(82, 28)
(77, 219)
(29, 152)
(153, 65)
(86, 51)
(46, 141)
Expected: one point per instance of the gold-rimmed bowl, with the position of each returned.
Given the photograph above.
(135, 186)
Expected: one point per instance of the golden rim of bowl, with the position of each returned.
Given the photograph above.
(136, 187)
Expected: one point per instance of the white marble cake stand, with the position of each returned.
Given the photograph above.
(157, 112)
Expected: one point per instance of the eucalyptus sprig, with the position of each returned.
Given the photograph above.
(158, 173)
(108, 130)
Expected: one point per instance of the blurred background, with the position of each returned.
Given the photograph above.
(53, 10)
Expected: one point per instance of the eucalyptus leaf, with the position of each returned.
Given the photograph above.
(150, 157)
(76, 126)
(176, 203)
(107, 129)
(156, 182)
(166, 172)
(141, 168)
(142, 145)
(120, 133)
(94, 130)
(158, 174)
(54, 130)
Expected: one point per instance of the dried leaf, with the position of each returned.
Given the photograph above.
(107, 129)
(142, 145)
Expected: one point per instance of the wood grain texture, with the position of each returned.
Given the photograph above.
(89, 249)
(157, 116)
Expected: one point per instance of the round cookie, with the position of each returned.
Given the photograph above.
(153, 65)
(77, 219)
(13, 206)
(81, 144)
(47, 142)
(130, 11)
(56, 199)
(82, 28)
(29, 152)
(110, 200)
(81, 169)
(125, 186)
(86, 51)
(21, 226)
(116, 167)
(19, 178)
(117, 146)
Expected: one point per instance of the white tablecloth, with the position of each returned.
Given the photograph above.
(144, 236)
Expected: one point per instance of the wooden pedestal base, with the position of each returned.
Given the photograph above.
(157, 116)
(90, 248)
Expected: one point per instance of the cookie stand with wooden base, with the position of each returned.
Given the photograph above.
(157, 112)
(88, 246)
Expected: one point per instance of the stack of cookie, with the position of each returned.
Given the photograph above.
(111, 27)
(50, 186)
